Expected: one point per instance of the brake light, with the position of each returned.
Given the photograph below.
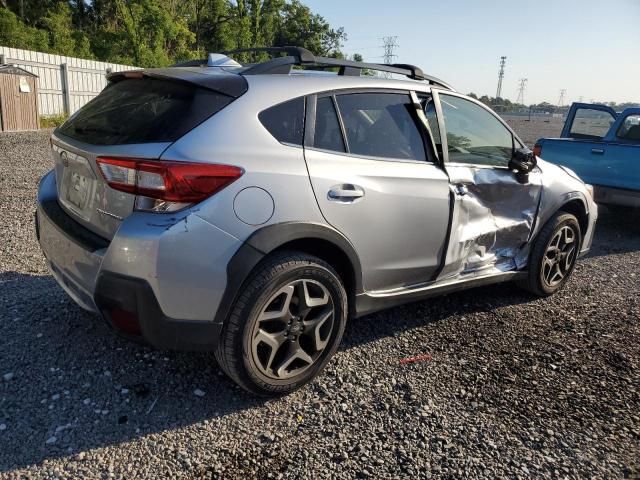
(169, 181)
(537, 149)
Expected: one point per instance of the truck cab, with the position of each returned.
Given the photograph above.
(603, 148)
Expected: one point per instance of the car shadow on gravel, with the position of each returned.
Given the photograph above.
(68, 384)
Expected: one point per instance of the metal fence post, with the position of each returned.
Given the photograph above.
(66, 93)
(2, 61)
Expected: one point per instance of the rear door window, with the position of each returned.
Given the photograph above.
(381, 125)
(143, 110)
(328, 134)
(590, 124)
(285, 121)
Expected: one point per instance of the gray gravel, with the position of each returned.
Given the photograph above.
(513, 387)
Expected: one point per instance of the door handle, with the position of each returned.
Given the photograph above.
(461, 190)
(597, 151)
(346, 193)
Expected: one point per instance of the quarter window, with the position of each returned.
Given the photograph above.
(285, 121)
(474, 135)
(381, 125)
(328, 135)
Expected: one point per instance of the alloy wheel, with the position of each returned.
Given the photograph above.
(292, 329)
(559, 257)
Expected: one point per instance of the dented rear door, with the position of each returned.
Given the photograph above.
(493, 212)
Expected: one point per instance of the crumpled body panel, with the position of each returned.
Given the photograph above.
(493, 216)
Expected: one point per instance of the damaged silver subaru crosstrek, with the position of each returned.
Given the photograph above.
(251, 209)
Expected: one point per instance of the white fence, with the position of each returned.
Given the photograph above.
(64, 83)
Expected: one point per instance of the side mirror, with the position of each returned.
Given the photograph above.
(523, 162)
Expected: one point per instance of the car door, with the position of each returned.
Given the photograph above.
(587, 154)
(493, 212)
(377, 183)
(619, 156)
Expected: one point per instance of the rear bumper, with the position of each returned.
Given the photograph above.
(115, 292)
(617, 196)
(169, 273)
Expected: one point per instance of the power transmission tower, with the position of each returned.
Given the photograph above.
(562, 94)
(390, 44)
(522, 84)
(503, 60)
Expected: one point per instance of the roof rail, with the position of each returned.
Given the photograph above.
(298, 56)
(303, 57)
(299, 53)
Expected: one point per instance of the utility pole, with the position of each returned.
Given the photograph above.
(503, 60)
(390, 44)
(522, 84)
(561, 100)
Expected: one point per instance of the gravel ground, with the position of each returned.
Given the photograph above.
(511, 386)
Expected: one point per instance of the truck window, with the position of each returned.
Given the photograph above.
(590, 124)
(630, 128)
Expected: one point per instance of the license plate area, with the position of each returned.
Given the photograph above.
(77, 187)
(77, 190)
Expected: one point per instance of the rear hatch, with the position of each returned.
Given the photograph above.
(138, 115)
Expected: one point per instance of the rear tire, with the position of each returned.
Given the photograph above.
(553, 256)
(285, 326)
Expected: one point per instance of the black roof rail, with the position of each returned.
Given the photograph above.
(303, 57)
(298, 56)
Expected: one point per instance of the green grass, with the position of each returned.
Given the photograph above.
(52, 121)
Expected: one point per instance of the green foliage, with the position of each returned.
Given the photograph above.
(63, 38)
(150, 33)
(52, 121)
(15, 33)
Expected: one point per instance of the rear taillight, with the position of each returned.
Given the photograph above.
(537, 149)
(180, 182)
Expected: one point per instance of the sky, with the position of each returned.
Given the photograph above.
(591, 48)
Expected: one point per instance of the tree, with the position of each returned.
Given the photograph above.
(160, 32)
(299, 26)
(15, 33)
(63, 38)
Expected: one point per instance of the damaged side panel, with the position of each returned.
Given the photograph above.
(493, 217)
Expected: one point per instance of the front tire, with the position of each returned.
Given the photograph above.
(553, 256)
(285, 326)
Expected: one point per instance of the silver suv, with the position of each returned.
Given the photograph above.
(252, 209)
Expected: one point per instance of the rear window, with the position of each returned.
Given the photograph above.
(143, 110)
(285, 121)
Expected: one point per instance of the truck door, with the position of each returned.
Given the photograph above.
(587, 125)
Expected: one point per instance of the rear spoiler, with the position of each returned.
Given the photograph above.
(229, 84)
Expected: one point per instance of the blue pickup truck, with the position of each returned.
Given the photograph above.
(603, 148)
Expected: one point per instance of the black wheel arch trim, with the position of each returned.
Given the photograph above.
(268, 239)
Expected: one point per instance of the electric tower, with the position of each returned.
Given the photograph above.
(522, 84)
(503, 60)
(390, 44)
(561, 100)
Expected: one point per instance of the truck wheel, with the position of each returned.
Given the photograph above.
(285, 326)
(553, 256)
